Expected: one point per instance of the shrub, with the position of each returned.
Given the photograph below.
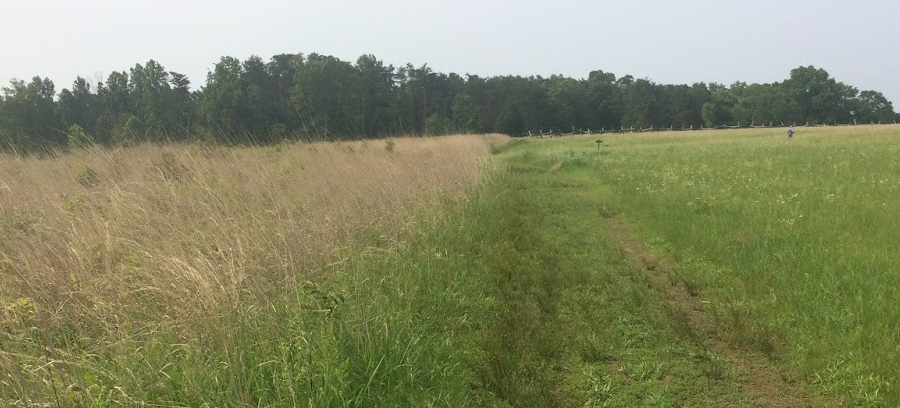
(437, 125)
(77, 137)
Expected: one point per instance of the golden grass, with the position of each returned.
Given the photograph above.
(98, 238)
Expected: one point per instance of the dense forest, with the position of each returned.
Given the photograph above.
(319, 97)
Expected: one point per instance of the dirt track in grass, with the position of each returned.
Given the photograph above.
(757, 377)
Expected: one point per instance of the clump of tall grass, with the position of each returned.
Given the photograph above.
(181, 273)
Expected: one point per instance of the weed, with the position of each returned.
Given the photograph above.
(607, 211)
(714, 364)
(74, 203)
(87, 176)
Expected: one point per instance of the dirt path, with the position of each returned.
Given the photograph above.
(758, 379)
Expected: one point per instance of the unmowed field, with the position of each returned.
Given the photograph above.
(188, 275)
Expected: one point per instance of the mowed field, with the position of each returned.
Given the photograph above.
(731, 268)
(789, 245)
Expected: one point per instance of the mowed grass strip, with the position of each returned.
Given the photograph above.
(791, 241)
(575, 322)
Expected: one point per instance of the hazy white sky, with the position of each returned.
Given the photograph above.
(666, 41)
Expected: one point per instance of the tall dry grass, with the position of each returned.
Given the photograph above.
(100, 244)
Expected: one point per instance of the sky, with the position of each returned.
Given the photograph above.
(666, 41)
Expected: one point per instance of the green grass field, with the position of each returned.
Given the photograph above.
(730, 268)
(790, 241)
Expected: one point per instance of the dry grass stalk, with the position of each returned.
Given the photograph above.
(100, 237)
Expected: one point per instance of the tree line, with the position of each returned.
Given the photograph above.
(320, 97)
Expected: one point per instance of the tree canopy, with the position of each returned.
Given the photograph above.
(320, 97)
